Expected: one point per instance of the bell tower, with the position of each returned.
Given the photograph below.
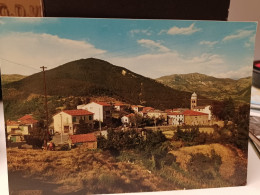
(193, 101)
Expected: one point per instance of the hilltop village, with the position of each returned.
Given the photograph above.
(88, 121)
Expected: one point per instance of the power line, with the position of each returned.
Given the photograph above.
(27, 66)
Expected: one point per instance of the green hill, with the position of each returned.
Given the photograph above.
(94, 77)
(210, 87)
(8, 78)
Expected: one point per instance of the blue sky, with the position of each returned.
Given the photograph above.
(152, 48)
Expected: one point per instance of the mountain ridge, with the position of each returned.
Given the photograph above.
(95, 77)
(209, 86)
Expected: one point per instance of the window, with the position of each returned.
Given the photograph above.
(66, 129)
(90, 117)
(73, 119)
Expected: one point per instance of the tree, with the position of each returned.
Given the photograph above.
(228, 111)
(135, 119)
(242, 121)
(224, 110)
(38, 135)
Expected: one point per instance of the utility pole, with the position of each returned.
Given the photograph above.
(99, 121)
(45, 94)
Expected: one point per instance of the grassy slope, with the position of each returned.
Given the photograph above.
(8, 78)
(233, 169)
(80, 171)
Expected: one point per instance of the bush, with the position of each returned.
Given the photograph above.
(205, 167)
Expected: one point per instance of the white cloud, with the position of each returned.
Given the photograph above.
(250, 42)
(37, 50)
(209, 43)
(182, 30)
(239, 35)
(244, 71)
(156, 65)
(139, 31)
(153, 45)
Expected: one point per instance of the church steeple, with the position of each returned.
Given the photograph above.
(193, 101)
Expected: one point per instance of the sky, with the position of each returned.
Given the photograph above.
(152, 48)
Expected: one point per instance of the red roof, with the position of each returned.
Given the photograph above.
(147, 109)
(78, 112)
(193, 113)
(119, 104)
(8, 122)
(175, 113)
(27, 119)
(131, 114)
(137, 106)
(103, 103)
(81, 138)
(168, 110)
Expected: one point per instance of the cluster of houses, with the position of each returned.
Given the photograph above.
(23, 126)
(195, 115)
(67, 121)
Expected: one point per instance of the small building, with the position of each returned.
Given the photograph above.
(119, 106)
(137, 108)
(23, 126)
(101, 110)
(89, 140)
(68, 121)
(195, 118)
(29, 120)
(175, 118)
(126, 119)
(15, 127)
(145, 110)
(157, 114)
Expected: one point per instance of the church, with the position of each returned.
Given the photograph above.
(207, 109)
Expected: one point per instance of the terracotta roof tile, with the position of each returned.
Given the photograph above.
(131, 114)
(78, 112)
(103, 103)
(81, 138)
(27, 119)
(175, 113)
(147, 109)
(193, 113)
(119, 104)
(8, 122)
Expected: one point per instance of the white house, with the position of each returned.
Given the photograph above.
(126, 119)
(175, 118)
(67, 121)
(101, 110)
